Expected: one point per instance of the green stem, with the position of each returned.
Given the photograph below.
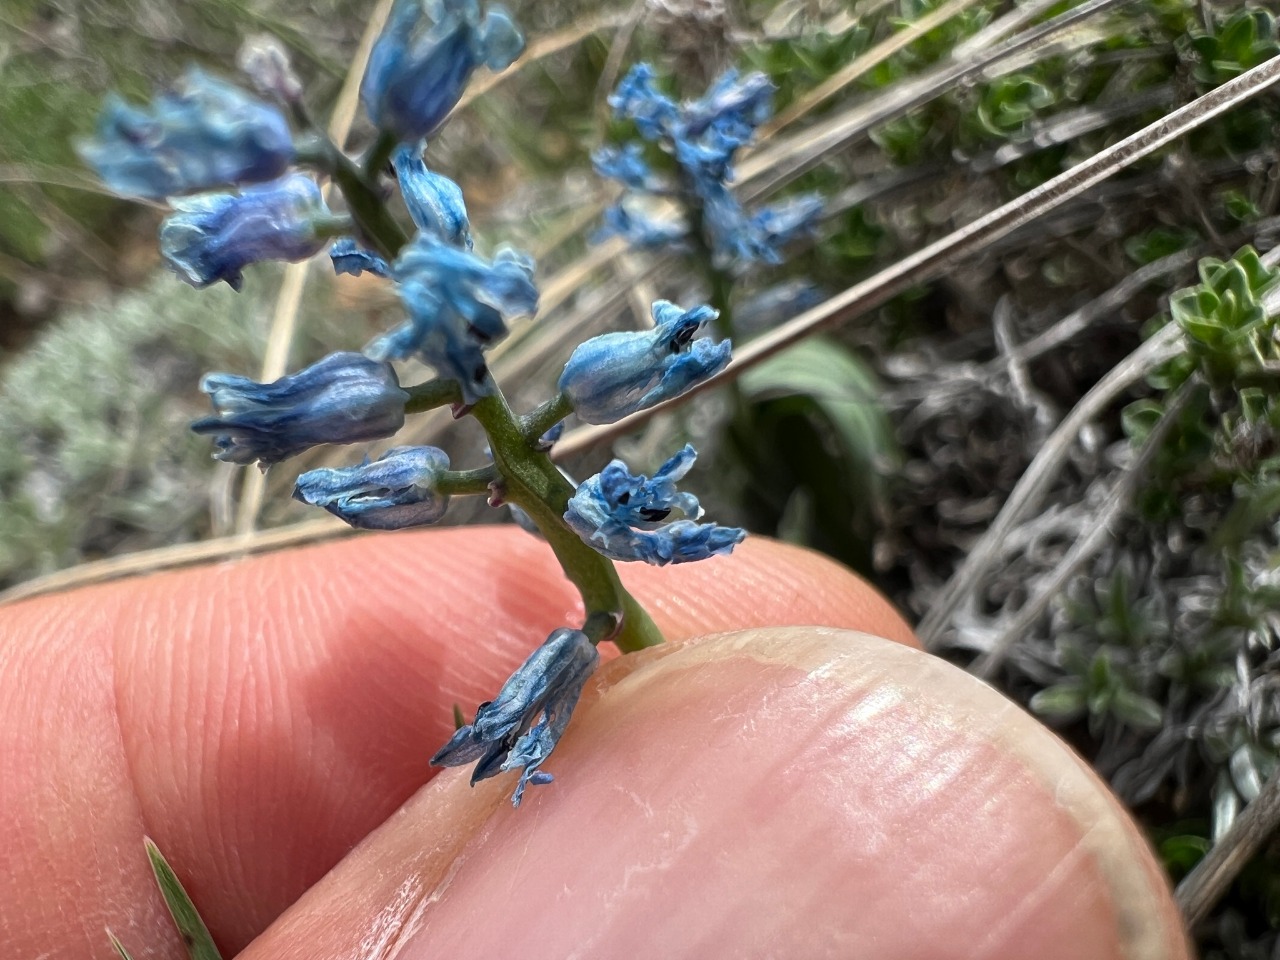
(542, 418)
(379, 154)
(533, 483)
(440, 392)
(364, 200)
(463, 483)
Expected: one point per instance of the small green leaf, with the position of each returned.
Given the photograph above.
(194, 933)
(1137, 711)
(118, 946)
(1062, 701)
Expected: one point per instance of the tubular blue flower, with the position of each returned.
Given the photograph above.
(622, 516)
(614, 375)
(457, 303)
(733, 108)
(435, 202)
(213, 236)
(424, 57)
(349, 257)
(520, 727)
(395, 491)
(642, 231)
(344, 398)
(206, 133)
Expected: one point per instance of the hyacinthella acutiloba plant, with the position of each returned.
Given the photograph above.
(268, 160)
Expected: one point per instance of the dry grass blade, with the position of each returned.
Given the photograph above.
(1201, 889)
(180, 555)
(933, 260)
(862, 65)
(1086, 547)
(786, 159)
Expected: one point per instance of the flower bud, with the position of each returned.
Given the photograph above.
(395, 491)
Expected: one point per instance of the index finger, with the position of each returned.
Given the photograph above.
(259, 718)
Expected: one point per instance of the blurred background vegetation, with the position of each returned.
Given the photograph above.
(891, 443)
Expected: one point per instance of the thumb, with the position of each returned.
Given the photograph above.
(791, 792)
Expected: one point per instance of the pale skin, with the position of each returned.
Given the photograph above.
(803, 793)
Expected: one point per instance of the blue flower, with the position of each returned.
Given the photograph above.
(435, 202)
(204, 134)
(395, 491)
(637, 99)
(349, 257)
(344, 398)
(622, 516)
(520, 727)
(703, 136)
(456, 303)
(627, 165)
(424, 57)
(213, 236)
(639, 229)
(614, 375)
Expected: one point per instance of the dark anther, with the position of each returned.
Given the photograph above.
(624, 498)
(653, 515)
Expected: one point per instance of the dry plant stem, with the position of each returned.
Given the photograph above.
(1201, 889)
(1076, 322)
(786, 160)
(1084, 549)
(1035, 482)
(284, 320)
(938, 257)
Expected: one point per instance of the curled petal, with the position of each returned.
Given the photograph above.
(520, 727)
(205, 133)
(349, 257)
(614, 375)
(214, 236)
(395, 491)
(637, 99)
(623, 516)
(344, 398)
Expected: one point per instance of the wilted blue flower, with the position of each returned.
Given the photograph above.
(627, 165)
(344, 398)
(639, 229)
(703, 136)
(206, 133)
(622, 516)
(654, 113)
(349, 257)
(457, 303)
(424, 57)
(520, 727)
(614, 375)
(213, 236)
(395, 491)
(435, 202)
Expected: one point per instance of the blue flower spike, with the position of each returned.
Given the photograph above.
(214, 236)
(703, 136)
(434, 201)
(396, 491)
(425, 56)
(457, 304)
(344, 398)
(205, 133)
(520, 727)
(625, 517)
(616, 374)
